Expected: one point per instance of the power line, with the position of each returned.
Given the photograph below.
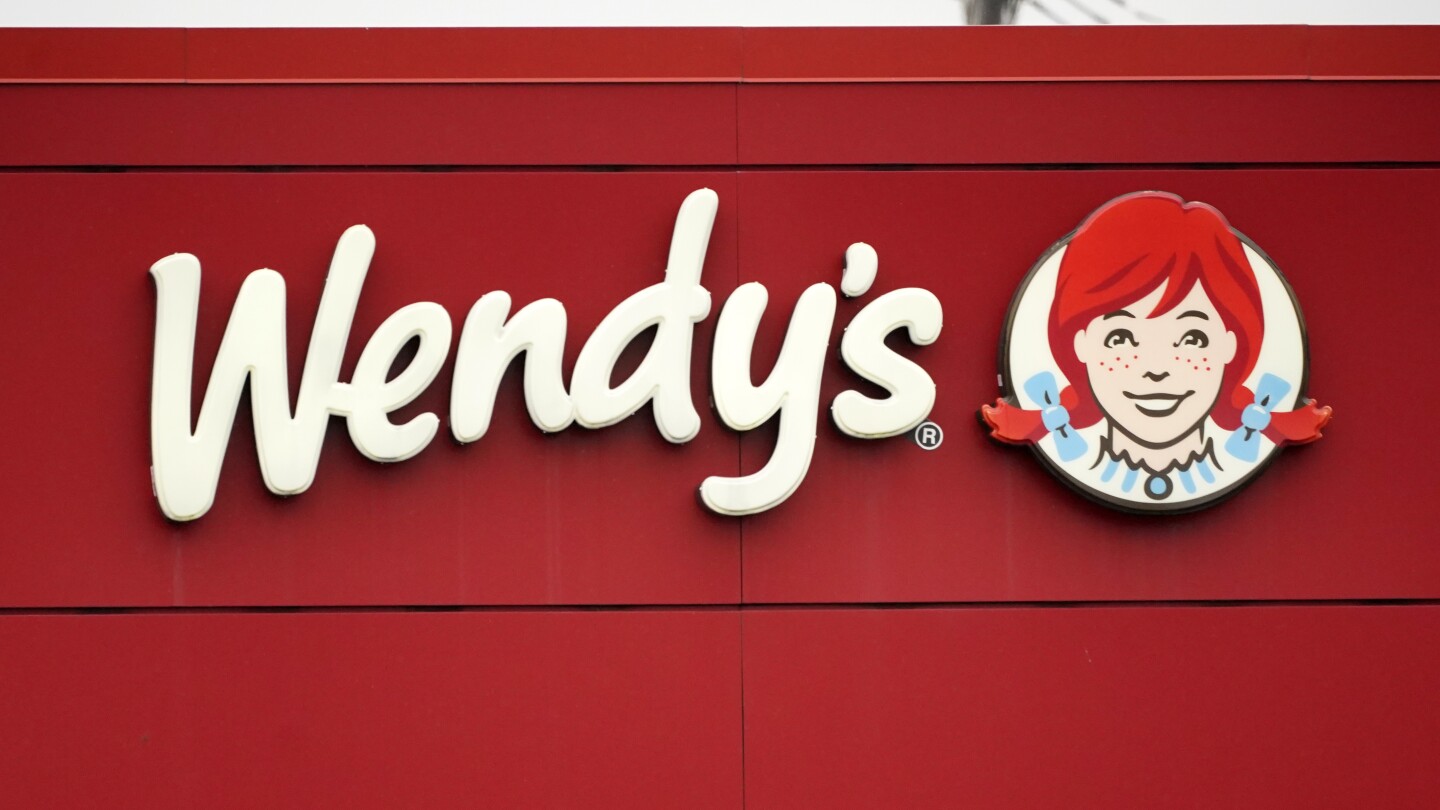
(1052, 13)
(1143, 16)
(1040, 7)
(1088, 12)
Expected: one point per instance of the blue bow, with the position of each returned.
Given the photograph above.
(1244, 443)
(1043, 390)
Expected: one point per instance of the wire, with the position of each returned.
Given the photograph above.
(1088, 12)
(1143, 16)
(1040, 7)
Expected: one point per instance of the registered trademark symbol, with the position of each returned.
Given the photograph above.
(928, 435)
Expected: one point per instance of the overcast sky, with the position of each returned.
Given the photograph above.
(212, 13)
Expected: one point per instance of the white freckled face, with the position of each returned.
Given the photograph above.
(1157, 378)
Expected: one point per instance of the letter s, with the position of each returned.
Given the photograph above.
(912, 391)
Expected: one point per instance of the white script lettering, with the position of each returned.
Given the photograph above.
(186, 465)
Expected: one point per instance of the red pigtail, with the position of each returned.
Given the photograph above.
(1010, 423)
(1299, 426)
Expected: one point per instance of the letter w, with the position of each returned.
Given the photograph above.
(186, 466)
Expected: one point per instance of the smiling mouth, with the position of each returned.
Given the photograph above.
(1157, 404)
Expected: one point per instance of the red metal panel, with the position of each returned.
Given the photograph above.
(356, 125)
(91, 55)
(691, 124)
(463, 54)
(717, 54)
(579, 517)
(1379, 51)
(998, 53)
(511, 709)
(1303, 707)
(884, 521)
(1101, 122)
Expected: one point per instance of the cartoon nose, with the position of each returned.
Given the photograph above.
(1150, 375)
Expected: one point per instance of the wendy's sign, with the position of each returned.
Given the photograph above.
(186, 463)
(1155, 358)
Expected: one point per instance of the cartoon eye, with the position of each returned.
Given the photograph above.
(1119, 337)
(1194, 338)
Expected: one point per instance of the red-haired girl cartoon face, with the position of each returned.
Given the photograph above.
(1157, 376)
(1154, 298)
(1153, 328)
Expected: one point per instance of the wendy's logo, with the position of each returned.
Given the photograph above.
(1154, 358)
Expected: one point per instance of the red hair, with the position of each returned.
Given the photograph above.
(1126, 250)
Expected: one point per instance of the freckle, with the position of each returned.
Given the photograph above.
(1177, 358)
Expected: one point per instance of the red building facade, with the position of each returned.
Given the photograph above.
(554, 620)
